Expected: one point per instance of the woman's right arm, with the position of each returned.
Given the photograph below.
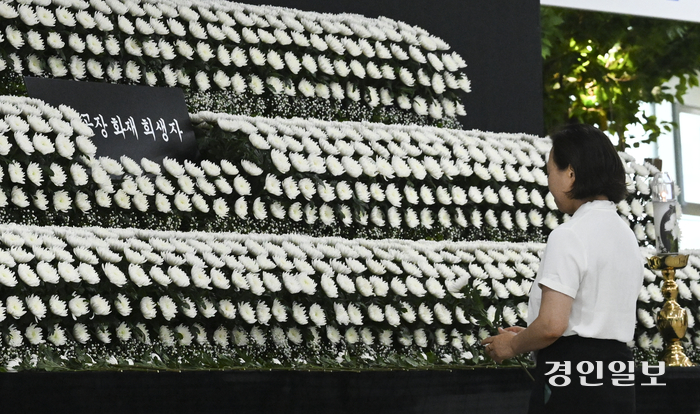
(550, 324)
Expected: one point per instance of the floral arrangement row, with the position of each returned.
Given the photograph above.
(289, 298)
(379, 176)
(276, 175)
(226, 46)
(86, 298)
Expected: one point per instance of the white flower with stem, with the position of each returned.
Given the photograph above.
(57, 306)
(88, 274)
(77, 67)
(407, 312)
(182, 202)
(122, 305)
(78, 306)
(47, 272)
(100, 306)
(68, 272)
(34, 334)
(425, 313)
(16, 173)
(162, 203)
(58, 176)
(78, 174)
(15, 37)
(317, 315)
(5, 145)
(114, 274)
(24, 143)
(354, 314)
(35, 42)
(240, 207)
(36, 306)
(57, 336)
(34, 174)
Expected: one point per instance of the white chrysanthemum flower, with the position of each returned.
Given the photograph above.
(16, 173)
(623, 208)
(57, 306)
(535, 218)
(354, 314)
(644, 341)
(657, 342)
(443, 315)
(47, 272)
(36, 306)
(426, 218)
(435, 288)
(206, 308)
(15, 307)
(68, 272)
(58, 336)
(58, 67)
(240, 337)
(201, 79)
(182, 202)
(115, 276)
(645, 318)
(100, 306)
(636, 207)
(375, 313)
(78, 306)
(411, 218)
(104, 336)
(364, 286)
(221, 337)
(173, 167)
(299, 314)
(345, 282)
(123, 332)
(415, 286)
(317, 315)
(425, 313)
(333, 334)
(58, 176)
(61, 201)
(34, 334)
(341, 314)
(522, 196)
(122, 305)
(393, 217)
(7, 276)
(24, 143)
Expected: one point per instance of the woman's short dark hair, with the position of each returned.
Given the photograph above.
(597, 167)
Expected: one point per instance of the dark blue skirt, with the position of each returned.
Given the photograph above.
(584, 375)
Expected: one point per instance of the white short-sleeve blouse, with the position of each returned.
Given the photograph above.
(595, 259)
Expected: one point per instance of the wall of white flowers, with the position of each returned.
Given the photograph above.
(297, 241)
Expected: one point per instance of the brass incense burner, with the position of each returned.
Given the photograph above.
(672, 319)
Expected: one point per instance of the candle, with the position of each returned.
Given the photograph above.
(665, 218)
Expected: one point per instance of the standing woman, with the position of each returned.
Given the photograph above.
(582, 306)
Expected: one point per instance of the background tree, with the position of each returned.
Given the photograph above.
(599, 68)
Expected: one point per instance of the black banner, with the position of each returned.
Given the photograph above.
(136, 121)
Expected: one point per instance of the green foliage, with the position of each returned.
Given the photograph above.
(599, 68)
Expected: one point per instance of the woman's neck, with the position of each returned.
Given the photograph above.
(578, 202)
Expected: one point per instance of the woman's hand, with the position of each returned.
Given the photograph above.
(514, 329)
(499, 347)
